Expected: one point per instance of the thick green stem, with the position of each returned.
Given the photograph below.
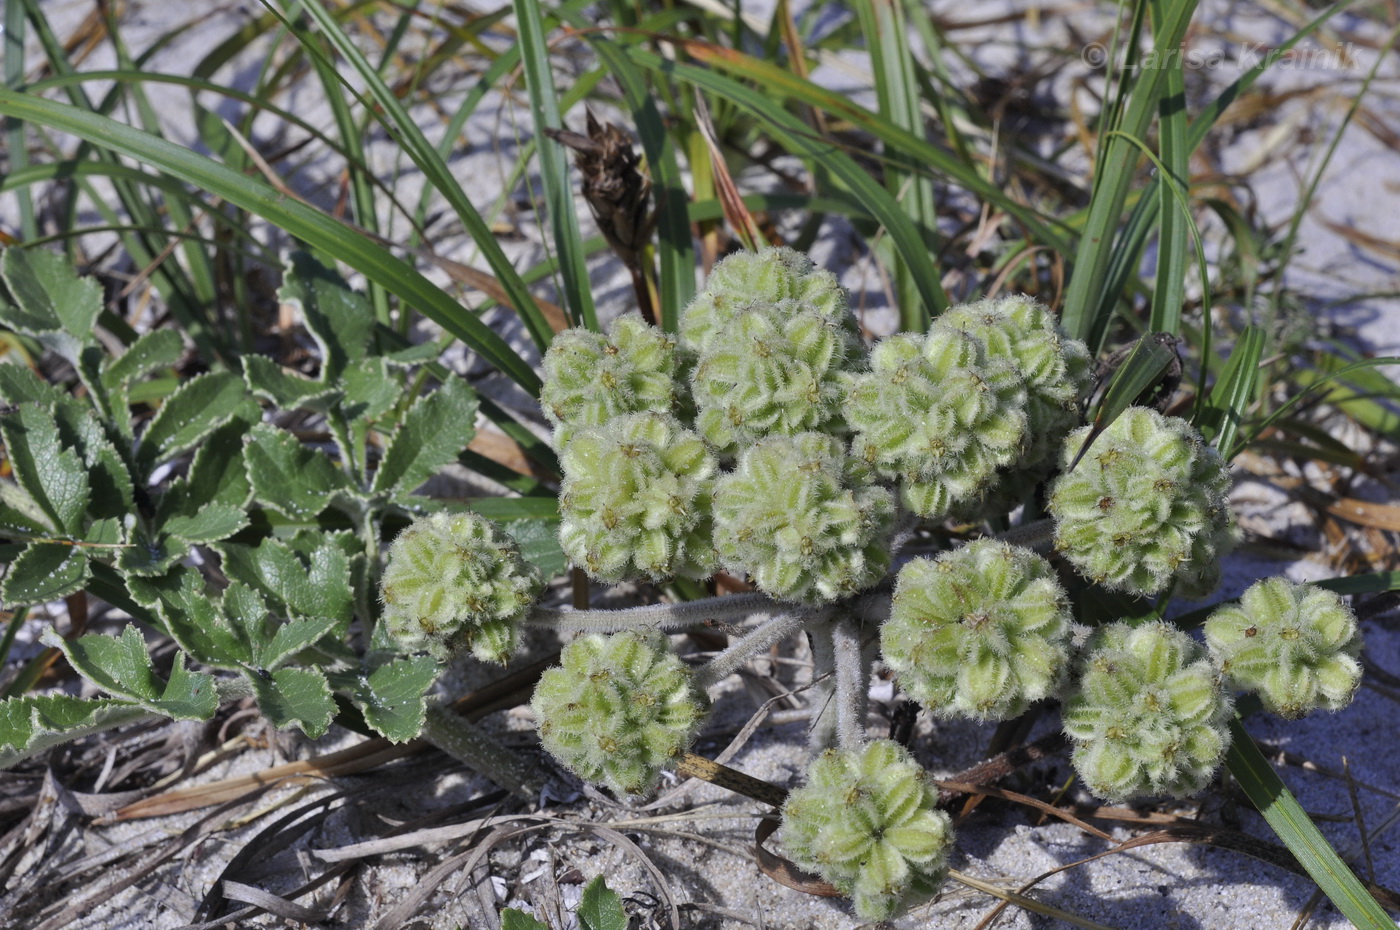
(470, 745)
(852, 685)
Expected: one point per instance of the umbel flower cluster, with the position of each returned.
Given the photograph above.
(767, 441)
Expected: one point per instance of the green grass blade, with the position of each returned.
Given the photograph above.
(294, 217)
(554, 166)
(1085, 317)
(1292, 824)
(897, 90)
(795, 135)
(1223, 411)
(1338, 396)
(435, 170)
(16, 146)
(1172, 241)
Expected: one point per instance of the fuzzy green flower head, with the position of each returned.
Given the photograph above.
(867, 822)
(981, 632)
(590, 378)
(778, 370)
(1146, 504)
(937, 413)
(618, 709)
(1148, 715)
(801, 517)
(768, 276)
(1295, 644)
(1056, 369)
(636, 500)
(453, 580)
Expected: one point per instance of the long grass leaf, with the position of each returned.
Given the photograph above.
(797, 137)
(1172, 240)
(554, 166)
(16, 147)
(1288, 819)
(1223, 411)
(434, 168)
(294, 217)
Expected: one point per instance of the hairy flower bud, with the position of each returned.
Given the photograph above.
(779, 369)
(768, 276)
(636, 500)
(867, 822)
(1145, 504)
(589, 378)
(456, 579)
(1056, 369)
(617, 709)
(936, 413)
(800, 516)
(1295, 644)
(1148, 715)
(980, 632)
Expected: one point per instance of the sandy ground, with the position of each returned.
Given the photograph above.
(702, 850)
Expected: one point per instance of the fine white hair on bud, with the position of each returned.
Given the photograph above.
(867, 821)
(1148, 714)
(980, 632)
(938, 414)
(1145, 505)
(803, 519)
(454, 580)
(636, 500)
(1296, 645)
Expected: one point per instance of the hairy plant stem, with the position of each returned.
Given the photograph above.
(665, 617)
(469, 744)
(770, 631)
(823, 692)
(1037, 535)
(852, 685)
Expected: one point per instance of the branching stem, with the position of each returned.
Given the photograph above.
(666, 617)
(741, 650)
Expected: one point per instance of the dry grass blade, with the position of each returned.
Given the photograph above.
(273, 904)
(738, 215)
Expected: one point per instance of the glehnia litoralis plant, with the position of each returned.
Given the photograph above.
(764, 440)
(822, 459)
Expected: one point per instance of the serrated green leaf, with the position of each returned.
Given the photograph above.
(392, 696)
(218, 474)
(296, 697)
(44, 572)
(319, 587)
(19, 384)
(195, 410)
(338, 318)
(196, 621)
(119, 665)
(286, 389)
(539, 544)
(436, 428)
(292, 637)
(293, 479)
(111, 493)
(29, 723)
(601, 908)
(370, 390)
(51, 302)
(210, 523)
(151, 352)
(147, 557)
(54, 477)
(511, 919)
(13, 520)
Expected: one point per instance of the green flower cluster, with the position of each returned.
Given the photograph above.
(456, 580)
(1295, 644)
(1148, 714)
(636, 500)
(867, 822)
(617, 709)
(1144, 506)
(804, 519)
(940, 414)
(981, 632)
(589, 379)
